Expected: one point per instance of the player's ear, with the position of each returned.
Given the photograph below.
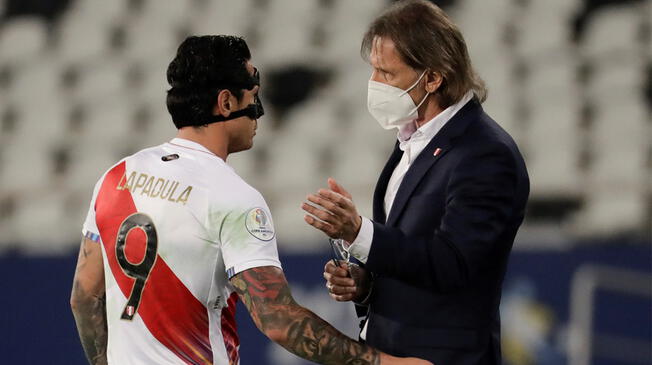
(225, 103)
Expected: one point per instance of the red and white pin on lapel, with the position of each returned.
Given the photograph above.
(437, 152)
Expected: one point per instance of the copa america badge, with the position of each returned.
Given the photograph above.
(259, 224)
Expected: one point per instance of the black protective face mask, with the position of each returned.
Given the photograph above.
(252, 111)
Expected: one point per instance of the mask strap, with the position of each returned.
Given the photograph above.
(252, 111)
(424, 98)
(415, 83)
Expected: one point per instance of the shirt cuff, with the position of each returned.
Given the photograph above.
(361, 246)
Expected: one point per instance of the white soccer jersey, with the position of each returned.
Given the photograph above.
(175, 223)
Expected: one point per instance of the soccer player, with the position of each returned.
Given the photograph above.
(174, 236)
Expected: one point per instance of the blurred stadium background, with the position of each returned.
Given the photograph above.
(82, 84)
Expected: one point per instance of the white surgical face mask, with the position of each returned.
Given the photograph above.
(391, 106)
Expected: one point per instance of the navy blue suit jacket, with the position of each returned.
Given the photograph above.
(440, 256)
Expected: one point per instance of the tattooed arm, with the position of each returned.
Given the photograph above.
(88, 302)
(266, 294)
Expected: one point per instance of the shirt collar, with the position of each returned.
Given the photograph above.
(427, 131)
(189, 144)
(182, 142)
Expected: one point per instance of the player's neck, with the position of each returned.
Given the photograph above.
(213, 140)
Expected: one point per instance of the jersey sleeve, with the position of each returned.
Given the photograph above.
(247, 237)
(89, 228)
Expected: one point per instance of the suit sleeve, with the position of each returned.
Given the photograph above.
(479, 203)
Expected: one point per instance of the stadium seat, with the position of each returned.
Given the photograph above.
(100, 82)
(247, 165)
(38, 222)
(294, 163)
(171, 15)
(292, 42)
(497, 74)
(543, 27)
(40, 125)
(100, 12)
(345, 27)
(613, 32)
(22, 39)
(616, 76)
(83, 38)
(149, 36)
(621, 135)
(223, 17)
(158, 129)
(483, 24)
(90, 160)
(360, 162)
(147, 76)
(15, 177)
(291, 229)
(35, 82)
(609, 213)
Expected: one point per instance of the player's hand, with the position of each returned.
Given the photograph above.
(393, 360)
(333, 212)
(349, 282)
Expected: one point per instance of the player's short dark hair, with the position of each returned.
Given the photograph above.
(202, 67)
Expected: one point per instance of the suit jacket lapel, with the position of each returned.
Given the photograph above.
(428, 157)
(381, 185)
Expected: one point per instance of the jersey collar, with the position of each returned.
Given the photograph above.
(191, 145)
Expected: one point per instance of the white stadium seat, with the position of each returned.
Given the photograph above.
(101, 83)
(613, 31)
(345, 27)
(223, 17)
(82, 38)
(483, 25)
(36, 82)
(286, 36)
(609, 213)
(97, 11)
(26, 167)
(291, 229)
(22, 39)
(39, 221)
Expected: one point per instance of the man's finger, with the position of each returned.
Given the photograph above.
(322, 226)
(342, 290)
(337, 271)
(338, 280)
(336, 187)
(321, 214)
(341, 298)
(334, 197)
(329, 263)
(326, 204)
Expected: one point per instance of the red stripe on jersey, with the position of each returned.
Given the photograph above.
(230, 330)
(169, 310)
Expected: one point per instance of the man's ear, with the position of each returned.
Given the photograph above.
(225, 103)
(433, 81)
